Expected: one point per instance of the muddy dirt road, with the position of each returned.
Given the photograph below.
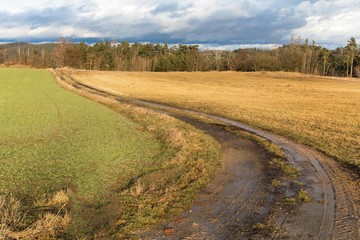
(240, 198)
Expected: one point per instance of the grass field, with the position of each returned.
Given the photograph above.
(65, 155)
(321, 112)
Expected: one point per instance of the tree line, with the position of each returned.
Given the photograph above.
(297, 56)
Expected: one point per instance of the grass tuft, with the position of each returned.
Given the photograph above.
(285, 167)
(14, 224)
(303, 196)
(275, 183)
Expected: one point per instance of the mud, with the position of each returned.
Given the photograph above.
(225, 209)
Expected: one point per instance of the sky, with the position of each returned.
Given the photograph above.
(209, 23)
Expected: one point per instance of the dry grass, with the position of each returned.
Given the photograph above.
(13, 220)
(321, 112)
(11, 216)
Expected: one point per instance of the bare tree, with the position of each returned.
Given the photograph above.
(352, 50)
(60, 50)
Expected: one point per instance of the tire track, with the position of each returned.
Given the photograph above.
(222, 210)
(346, 214)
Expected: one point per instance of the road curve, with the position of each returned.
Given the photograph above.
(333, 212)
(236, 199)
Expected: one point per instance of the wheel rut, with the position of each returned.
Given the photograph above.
(224, 209)
(239, 197)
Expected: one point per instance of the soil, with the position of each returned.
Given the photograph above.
(240, 203)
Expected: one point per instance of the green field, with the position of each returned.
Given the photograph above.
(53, 140)
(72, 168)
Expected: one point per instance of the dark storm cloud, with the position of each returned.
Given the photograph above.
(166, 7)
(221, 27)
(36, 18)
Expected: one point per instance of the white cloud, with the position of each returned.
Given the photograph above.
(15, 6)
(226, 22)
(237, 46)
(330, 22)
(45, 32)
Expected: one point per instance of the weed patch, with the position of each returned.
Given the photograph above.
(284, 166)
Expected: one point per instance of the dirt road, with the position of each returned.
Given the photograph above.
(236, 206)
(239, 200)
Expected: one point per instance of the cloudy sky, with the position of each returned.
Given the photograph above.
(208, 22)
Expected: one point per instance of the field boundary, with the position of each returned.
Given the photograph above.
(174, 185)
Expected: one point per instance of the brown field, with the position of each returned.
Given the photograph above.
(317, 111)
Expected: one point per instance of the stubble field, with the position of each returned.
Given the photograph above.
(320, 112)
